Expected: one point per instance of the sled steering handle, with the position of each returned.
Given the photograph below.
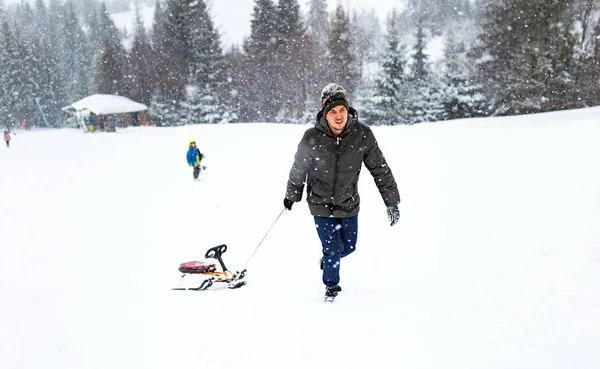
(215, 252)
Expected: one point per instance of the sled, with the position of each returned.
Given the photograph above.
(210, 277)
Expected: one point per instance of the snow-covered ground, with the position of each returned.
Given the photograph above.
(495, 262)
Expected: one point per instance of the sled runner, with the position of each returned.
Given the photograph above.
(210, 277)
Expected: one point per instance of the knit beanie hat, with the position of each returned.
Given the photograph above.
(332, 96)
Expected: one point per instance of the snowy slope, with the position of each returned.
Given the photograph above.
(495, 262)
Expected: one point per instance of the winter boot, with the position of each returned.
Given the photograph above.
(332, 291)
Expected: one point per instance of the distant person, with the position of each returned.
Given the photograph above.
(194, 156)
(112, 123)
(328, 160)
(101, 123)
(7, 138)
(84, 125)
(91, 124)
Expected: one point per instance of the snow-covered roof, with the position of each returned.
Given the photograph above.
(106, 104)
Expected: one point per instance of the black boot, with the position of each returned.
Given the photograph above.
(332, 291)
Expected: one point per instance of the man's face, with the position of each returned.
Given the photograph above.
(337, 118)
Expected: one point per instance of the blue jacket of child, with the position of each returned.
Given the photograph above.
(194, 156)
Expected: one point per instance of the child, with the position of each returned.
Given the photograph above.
(7, 138)
(193, 158)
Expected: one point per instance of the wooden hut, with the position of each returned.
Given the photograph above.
(107, 112)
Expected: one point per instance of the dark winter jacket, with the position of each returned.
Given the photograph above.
(330, 166)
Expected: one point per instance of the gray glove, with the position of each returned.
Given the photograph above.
(393, 214)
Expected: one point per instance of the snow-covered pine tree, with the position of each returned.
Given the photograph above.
(317, 22)
(420, 68)
(423, 101)
(55, 44)
(164, 101)
(587, 52)
(102, 28)
(20, 75)
(257, 90)
(139, 73)
(311, 75)
(262, 29)
(591, 85)
(316, 56)
(49, 93)
(461, 97)
(524, 56)
(367, 37)
(171, 60)
(205, 85)
(203, 41)
(559, 69)
(435, 15)
(342, 63)
(388, 103)
(231, 75)
(289, 22)
(87, 9)
(110, 76)
(3, 13)
(75, 59)
(6, 120)
(25, 25)
(594, 69)
(109, 57)
(292, 61)
(31, 66)
(29, 72)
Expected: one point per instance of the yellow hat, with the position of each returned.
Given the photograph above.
(192, 142)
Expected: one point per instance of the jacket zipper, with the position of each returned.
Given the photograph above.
(337, 169)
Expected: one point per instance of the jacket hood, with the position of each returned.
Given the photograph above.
(322, 125)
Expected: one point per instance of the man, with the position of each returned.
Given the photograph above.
(329, 160)
(193, 158)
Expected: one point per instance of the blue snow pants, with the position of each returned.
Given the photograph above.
(338, 238)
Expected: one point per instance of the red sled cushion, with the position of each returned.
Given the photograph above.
(197, 267)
